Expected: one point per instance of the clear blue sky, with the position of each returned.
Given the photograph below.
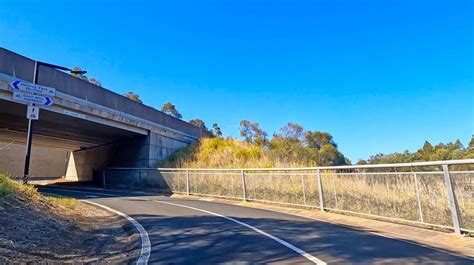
(380, 76)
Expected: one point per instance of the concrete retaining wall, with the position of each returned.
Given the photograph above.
(46, 162)
(135, 180)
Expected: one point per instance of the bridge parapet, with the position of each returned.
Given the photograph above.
(21, 67)
(101, 127)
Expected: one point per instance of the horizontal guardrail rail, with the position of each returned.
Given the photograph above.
(426, 193)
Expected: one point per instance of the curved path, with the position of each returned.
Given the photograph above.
(197, 231)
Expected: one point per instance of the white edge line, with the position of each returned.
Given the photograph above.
(145, 240)
(281, 241)
(329, 222)
(360, 229)
(375, 233)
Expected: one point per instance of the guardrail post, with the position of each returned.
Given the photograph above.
(334, 187)
(320, 188)
(453, 205)
(418, 200)
(187, 182)
(244, 185)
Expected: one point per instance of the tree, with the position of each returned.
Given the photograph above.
(471, 143)
(287, 145)
(245, 131)
(330, 156)
(318, 139)
(91, 80)
(294, 144)
(80, 76)
(170, 109)
(133, 96)
(94, 81)
(216, 130)
(292, 130)
(252, 133)
(199, 123)
(427, 152)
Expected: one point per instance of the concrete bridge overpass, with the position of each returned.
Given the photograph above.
(101, 127)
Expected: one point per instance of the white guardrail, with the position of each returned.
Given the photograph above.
(436, 193)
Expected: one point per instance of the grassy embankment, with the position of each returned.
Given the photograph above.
(12, 190)
(54, 230)
(391, 195)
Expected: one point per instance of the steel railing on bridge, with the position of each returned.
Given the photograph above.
(438, 194)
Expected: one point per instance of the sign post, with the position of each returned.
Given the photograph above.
(33, 95)
(26, 170)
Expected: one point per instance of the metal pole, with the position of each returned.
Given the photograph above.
(187, 182)
(320, 188)
(452, 201)
(334, 187)
(304, 190)
(244, 185)
(29, 138)
(418, 197)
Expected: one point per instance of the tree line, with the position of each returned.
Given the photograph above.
(428, 152)
(293, 144)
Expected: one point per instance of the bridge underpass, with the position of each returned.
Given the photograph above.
(99, 127)
(56, 130)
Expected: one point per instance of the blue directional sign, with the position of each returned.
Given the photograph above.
(32, 98)
(23, 86)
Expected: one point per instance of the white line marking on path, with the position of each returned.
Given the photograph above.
(312, 218)
(281, 241)
(145, 240)
(381, 235)
(146, 246)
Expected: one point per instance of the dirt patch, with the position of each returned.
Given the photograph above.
(46, 231)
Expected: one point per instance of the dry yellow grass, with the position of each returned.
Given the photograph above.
(388, 194)
(384, 194)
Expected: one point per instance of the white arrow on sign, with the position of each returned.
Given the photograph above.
(33, 99)
(23, 86)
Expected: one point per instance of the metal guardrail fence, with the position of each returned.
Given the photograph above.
(438, 194)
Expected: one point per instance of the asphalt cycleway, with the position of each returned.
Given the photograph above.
(199, 231)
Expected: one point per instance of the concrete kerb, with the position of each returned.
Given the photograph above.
(440, 241)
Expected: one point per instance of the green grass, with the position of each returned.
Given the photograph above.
(68, 203)
(8, 187)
